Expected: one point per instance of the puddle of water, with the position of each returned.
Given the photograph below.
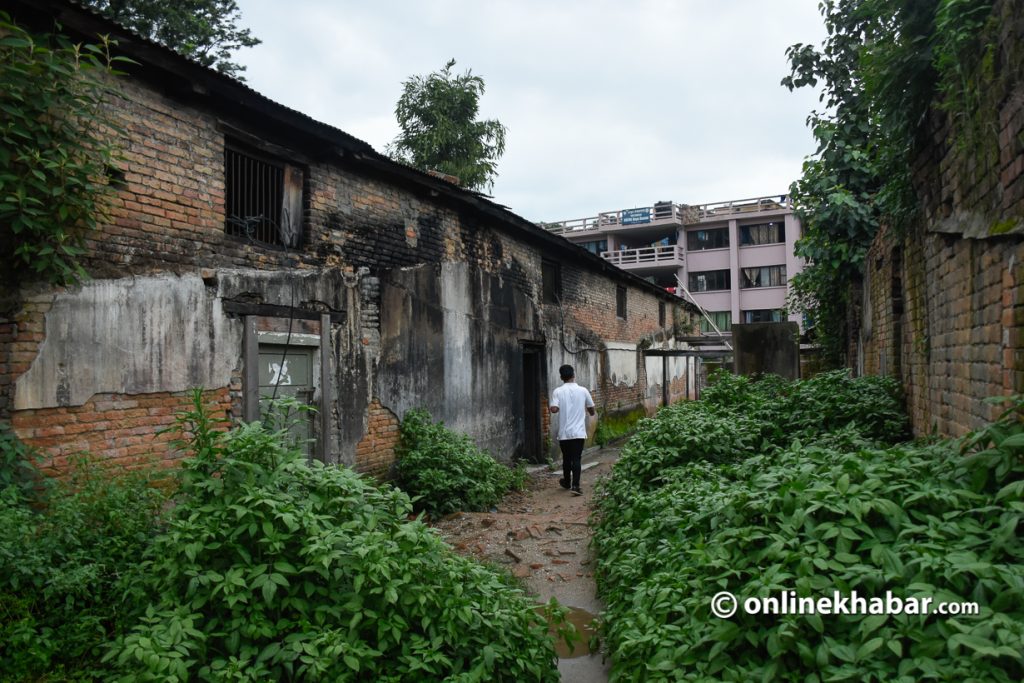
(583, 622)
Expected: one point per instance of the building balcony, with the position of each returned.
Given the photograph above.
(663, 214)
(644, 218)
(716, 211)
(646, 258)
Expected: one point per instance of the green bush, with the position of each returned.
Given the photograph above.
(67, 548)
(273, 568)
(738, 417)
(809, 408)
(832, 513)
(445, 471)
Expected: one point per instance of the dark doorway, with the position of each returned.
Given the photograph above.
(533, 437)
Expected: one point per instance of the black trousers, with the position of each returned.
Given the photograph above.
(572, 451)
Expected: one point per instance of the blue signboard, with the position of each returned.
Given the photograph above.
(636, 216)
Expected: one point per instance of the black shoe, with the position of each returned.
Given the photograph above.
(563, 483)
(577, 491)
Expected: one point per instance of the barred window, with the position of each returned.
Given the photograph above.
(620, 302)
(699, 240)
(263, 199)
(763, 233)
(765, 276)
(710, 281)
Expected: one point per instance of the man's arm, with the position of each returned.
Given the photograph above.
(590, 404)
(591, 411)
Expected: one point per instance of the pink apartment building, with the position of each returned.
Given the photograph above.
(734, 259)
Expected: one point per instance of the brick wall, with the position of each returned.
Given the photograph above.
(168, 216)
(21, 333)
(376, 451)
(128, 431)
(590, 311)
(943, 305)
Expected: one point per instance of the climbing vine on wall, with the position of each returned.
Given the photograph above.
(883, 67)
(56, 151)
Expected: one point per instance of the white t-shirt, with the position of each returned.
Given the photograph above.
(572, 402)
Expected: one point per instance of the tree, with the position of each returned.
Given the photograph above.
(884, 66)
(56, 154)
(203, 30)
(440, 130)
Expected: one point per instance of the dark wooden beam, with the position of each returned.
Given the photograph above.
(275, 311)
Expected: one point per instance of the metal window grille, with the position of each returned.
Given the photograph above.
(254, 198)
(620, 302)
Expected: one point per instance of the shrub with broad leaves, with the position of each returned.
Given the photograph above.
(274, 568)
(751, 510)
(444, 471)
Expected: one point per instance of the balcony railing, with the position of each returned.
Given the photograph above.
(660, 214)
(716, 210)
(664, 213)
(645, 256)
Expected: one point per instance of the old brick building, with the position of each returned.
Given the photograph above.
(252, 247)
(942, 306)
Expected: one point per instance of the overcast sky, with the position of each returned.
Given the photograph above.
(608, 105)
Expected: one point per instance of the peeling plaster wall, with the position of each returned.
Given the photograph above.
(135, 335)
(622, 363)
(442, 350)
(440, 294)
(655, 381)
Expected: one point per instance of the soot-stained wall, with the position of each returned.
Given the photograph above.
(433, 295)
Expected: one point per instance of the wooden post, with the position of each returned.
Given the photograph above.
(251, 371)
(325, 388)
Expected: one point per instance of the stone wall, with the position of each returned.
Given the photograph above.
(942, 306)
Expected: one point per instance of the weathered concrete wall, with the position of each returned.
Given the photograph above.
(679, 373)
(442, 350)
(130, 336)
(433, 295)
(766, 348)
(942, 306)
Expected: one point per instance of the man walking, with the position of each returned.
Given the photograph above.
(571, 402)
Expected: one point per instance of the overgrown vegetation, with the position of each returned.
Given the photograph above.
(68, 551)
(703, 502)
(884, 65)
(266, 567)
(56, 151)
(612, 427)
(444, 471)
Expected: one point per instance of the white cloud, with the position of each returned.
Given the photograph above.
(608, 104)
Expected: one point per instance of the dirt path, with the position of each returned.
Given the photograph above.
(542, 536)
